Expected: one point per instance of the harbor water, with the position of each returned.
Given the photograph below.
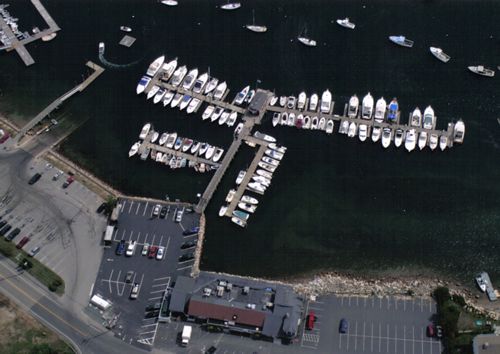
(335, 203)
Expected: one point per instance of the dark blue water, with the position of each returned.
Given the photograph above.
(335, 203)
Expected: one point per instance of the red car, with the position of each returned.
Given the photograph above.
(152, 251)
(430, 330)
(4, 138)
(70, 180)
(310, 319)
(23, 241)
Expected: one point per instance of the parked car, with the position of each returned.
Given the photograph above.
(156, 210)
(13, 234)
(191, 231)
(131, 248)
(5, 229)
(160, 252)
(310, 320)
(178, 216)
(134, 293)
(4, 138)
(211, 350)
(145, 249)
(186, 257)
(431, 330)
(23, 241)
(343, 326)
(120, 248)
(152, 251)
(3, 223)
(189, 244)
(439, 331)
(163, 212)
(57, 175)
(153, 307)
(34, 251)
(128, 277)
(34, 178)
(70, 180)
(101, 208)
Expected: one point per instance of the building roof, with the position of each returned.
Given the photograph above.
(180, 294)
(226, 312)
(486, 344)
(258, 102)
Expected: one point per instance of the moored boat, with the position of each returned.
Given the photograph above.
(218, 154)
(220, 90)
(200, 83)
(144, 131)
(176, 100)
(264, 173)
(307, 41)
(155, 66)
(141, 86)
(153, 91)
(282, 101)
(212, 84)
(481, 70)
(429, 118)
(168, 69)
(210, 152)
(217, 113)
(163, 139)
(344, 127)
(249, 200)
(247, 207)
(266, 166)
(290, 102)
(416, 118)
(231, 6)
(398, 137)
(433, 141)
(134, 149)
(238, 129)
(346, 23)
(367, 107)
(352, 108)
(459, 132)
(302, 100)
(230, 195)
(178, 75)
(352, 130)
(190, 79)
(222, 210)
(172, 138)
(208, 112)
(326, 101)
(232, 119)
(402, 41)
(154, 137)
(422, 140)
(270, 161)
(443, 142)
(274, 154)
(410, 140)
(241, 214)
(380, 108)
(264, 137)
(203, 149)
(329, 126)
(195, 102)
(240, 96)
(238, 221)
(240, 177)
(313, 102)
(376, 132)
(281, 149)
(363, 132)
(195, 147)
(392, 115)
(276, 118)
(168, 98)
(223, 117)
(322, 124)
(386, 137)
(314, 123)
(185, 101)
(159, 95)
(438, 53)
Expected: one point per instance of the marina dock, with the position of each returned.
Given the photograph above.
(19, 45)
(58, 101)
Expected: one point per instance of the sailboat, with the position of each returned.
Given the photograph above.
(256, 28)
(306, 40)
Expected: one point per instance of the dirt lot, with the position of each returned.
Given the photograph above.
(21, 333)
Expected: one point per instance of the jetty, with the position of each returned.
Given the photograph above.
(14, 43)
(58, 101)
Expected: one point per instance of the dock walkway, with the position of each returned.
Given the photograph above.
(177, 153)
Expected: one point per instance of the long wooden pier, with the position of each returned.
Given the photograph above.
(19, 45)
(58, 101)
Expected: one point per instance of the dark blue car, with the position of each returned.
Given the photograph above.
(344, 326)
(120, 248)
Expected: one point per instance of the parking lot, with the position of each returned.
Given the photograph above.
(136, 222)
(375, 325)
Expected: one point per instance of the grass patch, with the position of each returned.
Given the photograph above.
(45, 275)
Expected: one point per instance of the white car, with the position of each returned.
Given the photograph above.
(135, 291)
(131, 248)
(160, 252)
(156, 210)
(145, 249)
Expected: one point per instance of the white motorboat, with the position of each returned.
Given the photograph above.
(212, 84)
(386, 137)
(240, 96)
(281, 149)
(250, 96)
(178, 143)
(163, 139)
(422, 140)
(144, 131)
(159, 157)
(208, 112)
(176, 100)
(154, 137)
(256, 28)
(302, 100)
(169, 95)
(238, 129)
(416, 118)
(363, 132)
(247, 207)
(313, 102)
(402, 41)
(232, 119)
(237, 220)
(290, 102)
(264, 137)
(352, 130)
(125, 29)
(264, 173)
(185, 101)
(159, 96)
(276, 118)
(459, 132)
(154, 90)
(266, 166)
(231, 6)
(186, 144)
(329, 126)
(376, 133)
(200, 83)
(210, 152)
(134, 149)
(178, 75)
(273, 101)
(256, 186)
(380, 108)
(190, 79)
(291, 119)
(410, 140)
(220, 90)
(429, 118)
(433, 141)
(270, 161)
(352, 108)
(168, 69)
(249, 200)
(240, 177)
(481, 70)
(398, 137)
(262, 180)
(171, 140)
(141, 86)
(223, 117)
(307, 123)
(284, 118)
(155, 66)
(230, 195)
(195, 102)
(326, 102)
(346, 23)
(101, 47)
(367, 107)
(344, 127)
(274, 154)
(307, 41)
(314, 123)
(438, 53)
(222, 210)
(217, 113)
(218, 154)
(282, 101)
(169, 2)
(203, 149)
(443, 142)
(322, 124)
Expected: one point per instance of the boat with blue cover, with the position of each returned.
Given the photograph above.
(393, 110)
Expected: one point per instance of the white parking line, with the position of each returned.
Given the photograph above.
(155, 298)
(404, 339)
(131, 233)
(380, 335)
(161, 239)
(123, 206)
(114, 237)
(147, 332)
(149, 325)
(364, 327)
(186, 267)
(153, 242)
(155, 285)
(145, 208)
(138, 206)
(355, 335)
(155, 279)
(110, 275)
(131, 203)
(146, 238)
(116, 282)
(138, 238)
(157, 291)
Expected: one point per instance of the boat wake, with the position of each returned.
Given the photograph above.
(111, 65)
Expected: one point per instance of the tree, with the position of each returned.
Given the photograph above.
(442, 294)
